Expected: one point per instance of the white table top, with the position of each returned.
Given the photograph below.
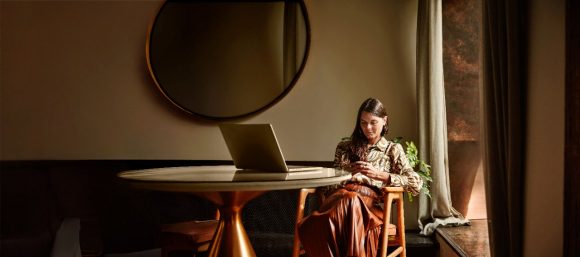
(227, 178)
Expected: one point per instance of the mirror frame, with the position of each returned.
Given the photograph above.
(286, 90)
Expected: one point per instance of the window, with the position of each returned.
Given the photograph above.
(461, 62)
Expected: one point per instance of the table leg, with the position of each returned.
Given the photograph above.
(231, 239)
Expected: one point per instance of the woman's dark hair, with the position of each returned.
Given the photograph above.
(358, 139)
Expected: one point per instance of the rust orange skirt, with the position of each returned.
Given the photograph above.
(347, 224)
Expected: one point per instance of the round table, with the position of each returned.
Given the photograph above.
(222, 186)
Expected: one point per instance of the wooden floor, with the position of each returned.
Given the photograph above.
(465, 241)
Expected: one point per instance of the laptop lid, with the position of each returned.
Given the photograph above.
(254, 147)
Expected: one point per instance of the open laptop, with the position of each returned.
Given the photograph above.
(255, 147)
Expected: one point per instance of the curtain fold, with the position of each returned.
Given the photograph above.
(504, 96)
(437, 210)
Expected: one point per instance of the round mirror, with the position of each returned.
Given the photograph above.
(227, 59)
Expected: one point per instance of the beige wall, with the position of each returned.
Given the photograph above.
(74, 83)
(545, 152)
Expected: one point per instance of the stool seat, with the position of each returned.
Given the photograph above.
(194, 236)
(392, 229)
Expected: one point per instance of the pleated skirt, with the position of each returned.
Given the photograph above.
(348, 223)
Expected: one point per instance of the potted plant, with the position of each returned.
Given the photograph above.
(420, 166)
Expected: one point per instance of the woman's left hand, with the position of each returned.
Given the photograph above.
(370, 171)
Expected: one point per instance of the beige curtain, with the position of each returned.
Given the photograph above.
(436, 210)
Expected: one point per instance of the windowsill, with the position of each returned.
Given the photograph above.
(464, 241)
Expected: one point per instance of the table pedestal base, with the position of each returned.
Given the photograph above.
(231, 239)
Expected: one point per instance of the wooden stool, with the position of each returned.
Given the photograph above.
(393, 235)
(193, 236)
(393, 194)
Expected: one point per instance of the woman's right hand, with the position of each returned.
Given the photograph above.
(358, 166)
(350, 167)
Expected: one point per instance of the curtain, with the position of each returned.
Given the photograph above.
(432, 119)
(504, 96)
(572, 147)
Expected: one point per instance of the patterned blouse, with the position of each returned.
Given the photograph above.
(388, 157)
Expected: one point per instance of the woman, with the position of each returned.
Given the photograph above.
(349, 220)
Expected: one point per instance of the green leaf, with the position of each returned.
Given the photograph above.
(411, 153)
(425, 177)
(426, 192)
(421, 167)
(410, 197)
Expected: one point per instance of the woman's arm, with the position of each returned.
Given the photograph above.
(371, 171)
(340, 156)
(401, 172)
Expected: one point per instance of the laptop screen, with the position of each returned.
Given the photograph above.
(254, 147)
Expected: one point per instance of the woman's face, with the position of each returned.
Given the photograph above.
(372, 126)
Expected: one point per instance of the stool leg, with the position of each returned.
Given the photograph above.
(401, 224)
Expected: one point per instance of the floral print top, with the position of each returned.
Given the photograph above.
(388, 157)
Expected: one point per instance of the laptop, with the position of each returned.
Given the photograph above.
(255, 147)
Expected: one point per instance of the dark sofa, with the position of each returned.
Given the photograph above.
(36, 196)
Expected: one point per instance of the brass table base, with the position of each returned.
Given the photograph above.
(230, 238)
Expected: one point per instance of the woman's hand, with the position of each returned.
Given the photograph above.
(369, 170)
